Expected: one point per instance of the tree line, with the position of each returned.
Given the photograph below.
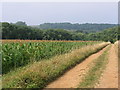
(86, 27)
(22, 31)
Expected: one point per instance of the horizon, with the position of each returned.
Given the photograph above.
(57, 12)
(60, 22)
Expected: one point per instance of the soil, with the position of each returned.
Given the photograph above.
(109, 78)
(72, 78)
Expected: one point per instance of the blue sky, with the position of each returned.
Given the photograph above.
(74, 12)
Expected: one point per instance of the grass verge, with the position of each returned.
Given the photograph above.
(39, 74)
(96, 69)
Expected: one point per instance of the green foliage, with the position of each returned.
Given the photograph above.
(106, 35)
(12, 31)
(20, 23)
(58, 34)
(118, 32)
(20, 54)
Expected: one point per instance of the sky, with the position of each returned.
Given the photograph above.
(35, 13)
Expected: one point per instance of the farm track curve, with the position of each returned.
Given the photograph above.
(73, 77)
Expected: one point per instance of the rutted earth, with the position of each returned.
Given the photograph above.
(73, 77)
(109, 78)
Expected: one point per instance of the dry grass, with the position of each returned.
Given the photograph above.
(117, 44)
(22, 41)
(39, 74)
(96, 69)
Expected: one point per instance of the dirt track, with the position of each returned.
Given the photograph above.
(110, 75)
(72, 78)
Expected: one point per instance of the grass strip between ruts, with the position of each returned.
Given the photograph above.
(96, 69)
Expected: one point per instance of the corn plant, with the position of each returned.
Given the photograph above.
(17, 54)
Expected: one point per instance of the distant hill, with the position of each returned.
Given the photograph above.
(87, 27)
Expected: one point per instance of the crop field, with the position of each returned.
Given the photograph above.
(41, 59)
(44, 46)
(17, 53)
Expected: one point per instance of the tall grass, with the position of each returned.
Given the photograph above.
(17, 54)
(39, 74)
